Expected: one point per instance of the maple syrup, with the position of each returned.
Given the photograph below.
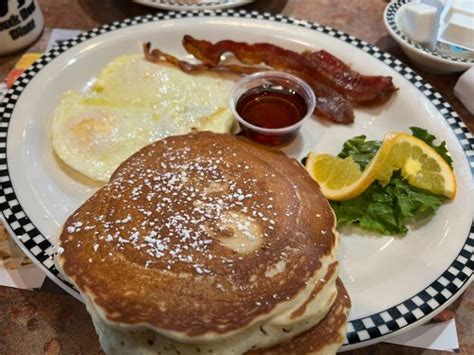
(271, 107)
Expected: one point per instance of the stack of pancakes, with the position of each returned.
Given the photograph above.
(208, 243)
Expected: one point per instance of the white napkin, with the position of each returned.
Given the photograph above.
(26, 277)
(437, 336)
(3, 90)
(59, 35)
(464, 89)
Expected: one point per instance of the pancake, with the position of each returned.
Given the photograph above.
(324, 338)
(207, 241)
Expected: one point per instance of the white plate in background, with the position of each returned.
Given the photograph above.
(177, 5)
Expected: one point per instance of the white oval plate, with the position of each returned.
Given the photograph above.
(394, 283)
(178, 5)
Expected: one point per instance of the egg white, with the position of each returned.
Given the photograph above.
(134, 103)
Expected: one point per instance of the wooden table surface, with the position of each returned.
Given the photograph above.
(54, 323)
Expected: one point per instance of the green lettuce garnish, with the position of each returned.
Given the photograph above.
(387, 209)
(360, 150)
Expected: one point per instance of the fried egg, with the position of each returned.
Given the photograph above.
(131, 104)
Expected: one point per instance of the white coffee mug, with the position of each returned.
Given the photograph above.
(21, 23)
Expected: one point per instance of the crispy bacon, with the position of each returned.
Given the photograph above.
(330, 105)
(250, 54)
(157, 55)
(360, 89)
(321, 66)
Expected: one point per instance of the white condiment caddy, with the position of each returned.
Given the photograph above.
(429, 21)
(425, 47)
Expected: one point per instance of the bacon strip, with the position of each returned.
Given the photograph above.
(360, 89)
(330, 105)
(321, 66)
(156, 56)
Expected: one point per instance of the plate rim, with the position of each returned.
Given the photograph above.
(360, 332)
(177, 5)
